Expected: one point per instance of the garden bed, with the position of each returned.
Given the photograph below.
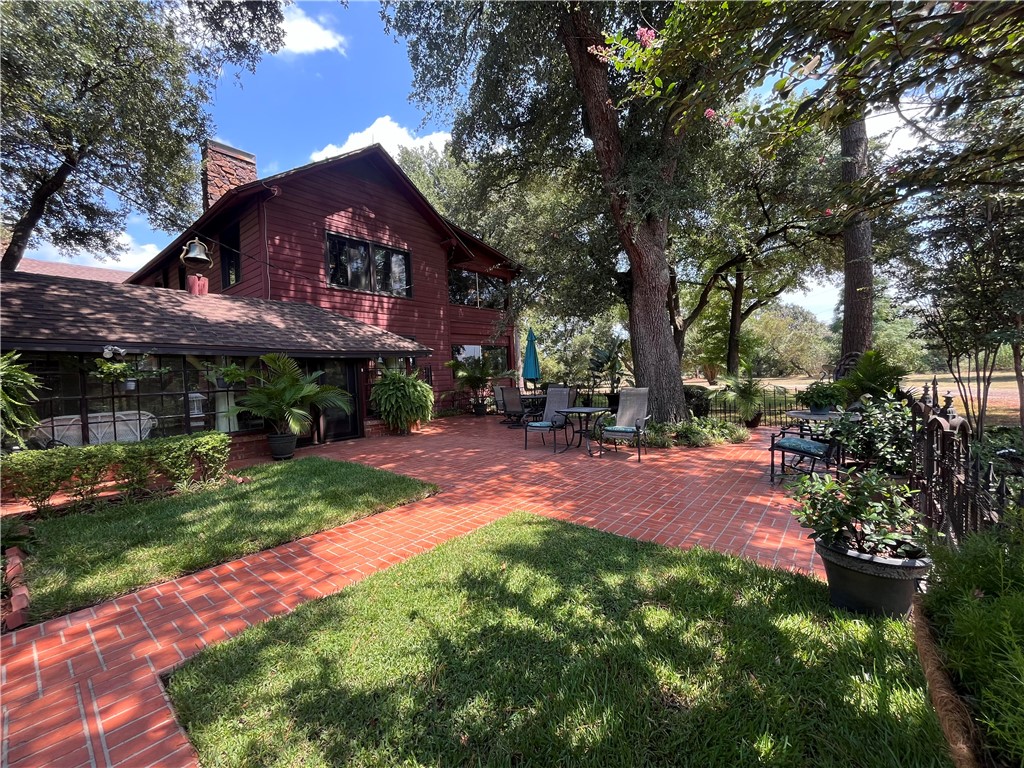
(538, 642)
(82, 559)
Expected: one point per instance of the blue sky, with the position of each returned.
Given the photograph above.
(338, 84)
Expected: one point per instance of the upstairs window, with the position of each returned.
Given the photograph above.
(475, 289)
(230, 256)
(365, 266)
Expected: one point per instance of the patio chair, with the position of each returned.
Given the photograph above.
(511, 407)
(551, 421)
(806, 453)
(630, 421)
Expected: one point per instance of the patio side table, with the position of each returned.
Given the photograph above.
(582, 426)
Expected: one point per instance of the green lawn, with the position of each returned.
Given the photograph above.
(534, 642)
(83, 559)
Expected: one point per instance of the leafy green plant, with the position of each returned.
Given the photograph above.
(122, 370)
(823, 395)
(18, 390)
(872, 375)
(883, 436)
(863, 512)
(475, 375)
(746, 392)
(402, 399)
(283, 395)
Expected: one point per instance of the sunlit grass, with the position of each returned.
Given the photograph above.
(534, 642)
(83, 559)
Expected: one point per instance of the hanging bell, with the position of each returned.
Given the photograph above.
(194, 255)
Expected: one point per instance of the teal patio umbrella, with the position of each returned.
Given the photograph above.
(531, 362)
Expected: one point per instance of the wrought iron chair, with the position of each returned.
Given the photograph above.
(630, 421)
(806, 452)
(511, 405)
(551, 421)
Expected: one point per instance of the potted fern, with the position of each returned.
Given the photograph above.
(283, 396)
(402, 400)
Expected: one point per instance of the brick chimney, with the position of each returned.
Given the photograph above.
(224, 168)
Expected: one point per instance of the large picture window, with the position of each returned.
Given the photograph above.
(365, 266)
(475, 289)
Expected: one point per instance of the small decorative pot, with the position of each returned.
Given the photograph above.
(128, 385)
(878, 586)
(282, 446)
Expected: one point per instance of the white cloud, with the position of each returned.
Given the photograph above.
(388, 134)
(135, 255)
(305, 35)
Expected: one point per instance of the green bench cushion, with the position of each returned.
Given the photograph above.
(800, 445)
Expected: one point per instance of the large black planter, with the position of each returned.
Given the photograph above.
(479, 409)
(613, 401)
(878, 586)
(282, 446)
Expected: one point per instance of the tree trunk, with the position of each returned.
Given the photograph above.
(858, 271)
(732, 354)
(656, 359)
(23, 228)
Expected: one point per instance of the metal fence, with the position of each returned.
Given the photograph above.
(773, 408)
(957, 494)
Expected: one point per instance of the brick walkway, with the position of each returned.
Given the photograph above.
(85, 689)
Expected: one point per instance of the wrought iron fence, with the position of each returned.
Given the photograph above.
(773, 408)
(957, 494)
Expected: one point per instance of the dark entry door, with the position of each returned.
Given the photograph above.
(338, 425)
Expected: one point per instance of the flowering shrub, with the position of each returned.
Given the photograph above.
(646, 36)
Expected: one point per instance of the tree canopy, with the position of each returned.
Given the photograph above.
(108, 120)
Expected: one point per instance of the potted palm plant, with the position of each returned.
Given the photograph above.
(867, 534)
(608, 361)
(475, 375)
(747, 393)
(282, 396)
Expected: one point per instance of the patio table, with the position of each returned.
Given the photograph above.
(582, 426)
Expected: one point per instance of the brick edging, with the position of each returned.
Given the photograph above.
(18, 615)
(955, 719)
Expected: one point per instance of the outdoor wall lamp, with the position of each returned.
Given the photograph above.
(110, 352)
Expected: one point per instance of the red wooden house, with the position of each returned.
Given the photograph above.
(354, 236)
(342, 264)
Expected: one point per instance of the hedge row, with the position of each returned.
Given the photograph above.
(134, 468)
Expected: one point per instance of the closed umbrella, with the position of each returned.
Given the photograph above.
(531, 362)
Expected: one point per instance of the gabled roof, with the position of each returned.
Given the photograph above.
(45, 313)
(67, 269)
(265, 186)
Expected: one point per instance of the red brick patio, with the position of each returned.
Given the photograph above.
(85, 689)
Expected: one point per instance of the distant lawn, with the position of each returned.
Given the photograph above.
(83, 559)
(535, 642)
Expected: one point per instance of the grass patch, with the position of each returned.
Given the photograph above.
(537, 642)
(83, 559)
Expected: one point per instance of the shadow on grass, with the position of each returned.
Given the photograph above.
(82, 559)
(537, 642)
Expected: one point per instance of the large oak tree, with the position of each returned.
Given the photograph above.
(529, 89)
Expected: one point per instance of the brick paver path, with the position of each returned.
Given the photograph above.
(85, 689)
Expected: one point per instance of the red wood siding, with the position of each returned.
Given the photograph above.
(363, 205)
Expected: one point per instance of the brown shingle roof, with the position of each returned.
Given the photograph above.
(58, 313)
(67, 269)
